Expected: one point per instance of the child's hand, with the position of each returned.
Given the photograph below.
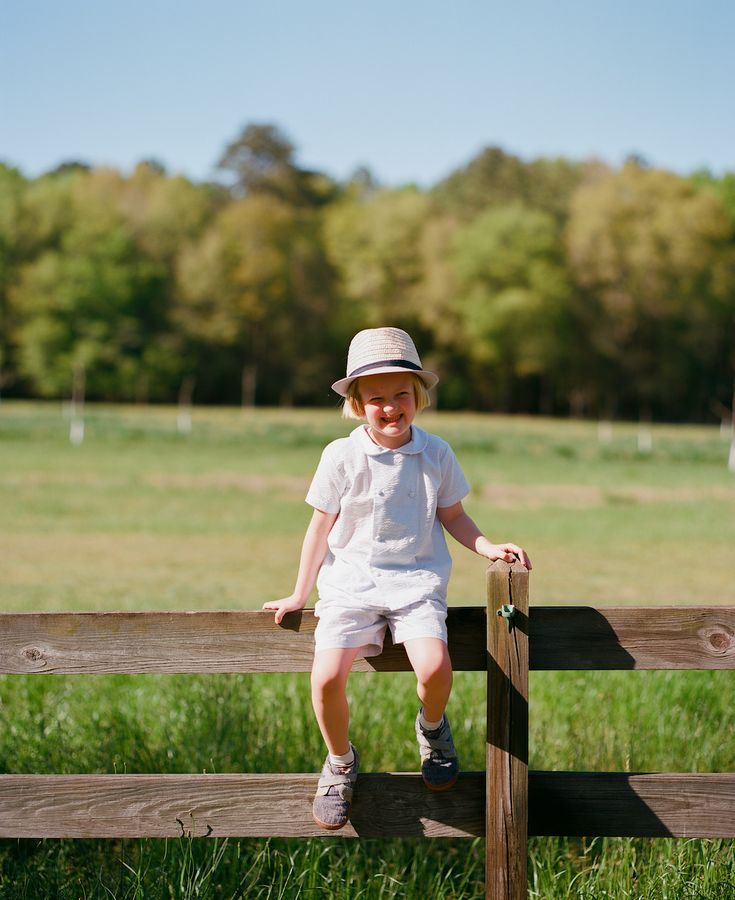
(508, 552)
(288, 604)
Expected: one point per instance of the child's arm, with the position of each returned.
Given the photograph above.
(464, 530)
(313, 551)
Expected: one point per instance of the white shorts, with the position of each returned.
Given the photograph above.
(342, 625)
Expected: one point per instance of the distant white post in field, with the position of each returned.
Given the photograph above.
(604, 431)
(76, 425)
(183, 419)
(727, 425)
(645, 436)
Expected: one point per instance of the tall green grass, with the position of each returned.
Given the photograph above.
(142, 517)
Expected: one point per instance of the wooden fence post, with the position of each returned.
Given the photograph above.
(506, 764)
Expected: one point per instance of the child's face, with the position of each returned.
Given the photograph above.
(390, 407)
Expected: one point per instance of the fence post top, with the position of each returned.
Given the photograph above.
(500, 565)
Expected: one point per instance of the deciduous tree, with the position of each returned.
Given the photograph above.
(513, 299)
(655, 259)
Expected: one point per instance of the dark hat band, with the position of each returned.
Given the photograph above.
(403, 363)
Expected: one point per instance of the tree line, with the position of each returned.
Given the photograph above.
(548, 285)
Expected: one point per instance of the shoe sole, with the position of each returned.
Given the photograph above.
(440, 787)
(332, 827)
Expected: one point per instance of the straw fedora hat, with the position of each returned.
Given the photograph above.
(378, 350)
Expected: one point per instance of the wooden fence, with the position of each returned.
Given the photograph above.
(506, 802)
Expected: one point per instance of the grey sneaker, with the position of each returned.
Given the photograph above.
(439, 763)
(333, 799)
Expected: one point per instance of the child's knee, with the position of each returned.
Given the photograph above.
(327, 683)
(330, 671)
(438, 674)
(434, 665)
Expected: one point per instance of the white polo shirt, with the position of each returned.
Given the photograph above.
(387, 545)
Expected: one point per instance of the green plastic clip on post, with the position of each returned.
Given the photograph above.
(507, 611)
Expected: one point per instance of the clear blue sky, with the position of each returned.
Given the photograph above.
(411, 88)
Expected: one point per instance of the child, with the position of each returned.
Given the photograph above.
(375, 546)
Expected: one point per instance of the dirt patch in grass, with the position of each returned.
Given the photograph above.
(537, 496)
(205, 481)
(575, 496)
(229, 481)
(53, 479)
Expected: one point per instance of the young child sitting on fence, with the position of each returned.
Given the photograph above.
(375, 546)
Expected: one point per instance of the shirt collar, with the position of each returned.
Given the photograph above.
(416, 445)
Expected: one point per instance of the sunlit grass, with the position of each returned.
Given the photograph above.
(142, 517)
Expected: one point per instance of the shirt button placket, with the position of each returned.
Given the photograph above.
(378, 513)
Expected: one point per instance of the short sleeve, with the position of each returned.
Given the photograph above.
(454, 486)
(327, 485)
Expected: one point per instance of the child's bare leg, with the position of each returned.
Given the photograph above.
(439, 763)
(430, 661)
(328, 695)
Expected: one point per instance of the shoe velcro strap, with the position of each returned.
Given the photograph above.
(343, 783)
(444, 746)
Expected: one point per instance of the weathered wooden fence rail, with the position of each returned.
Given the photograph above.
(506, 803)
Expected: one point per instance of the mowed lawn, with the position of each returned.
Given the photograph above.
(140, 516)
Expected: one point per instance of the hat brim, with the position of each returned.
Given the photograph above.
(430, 379)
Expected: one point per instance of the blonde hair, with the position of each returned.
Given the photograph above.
(352, 408)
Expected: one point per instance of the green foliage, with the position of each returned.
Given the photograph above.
(542, 285)
(496, 178)
(656, 260)
(164, 213)
(513, 296)
(262, 161)
(723, 188)
(257, 270)
(12, 190)
(88, 305)
(374, 245)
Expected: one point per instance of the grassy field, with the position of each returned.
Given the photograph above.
(142, 517)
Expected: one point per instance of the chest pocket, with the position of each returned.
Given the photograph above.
(396, 513)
